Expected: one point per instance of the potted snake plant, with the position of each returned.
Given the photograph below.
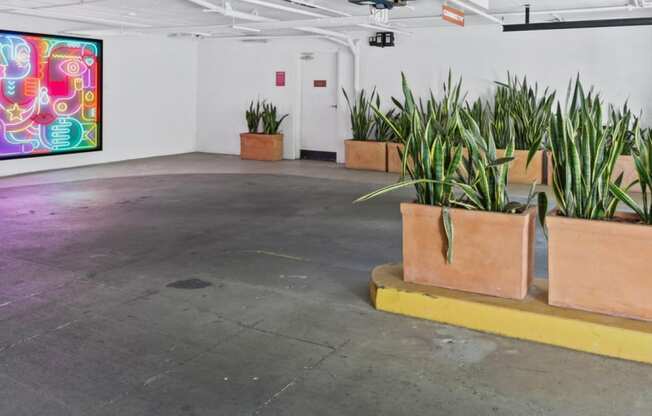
(395, 146)
(463, 231)
(442, 111)
(268, 143)
(598, 257)
(530, 111)
(384, 133)
(625, 162)
(364, 151)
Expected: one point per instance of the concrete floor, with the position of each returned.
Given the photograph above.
(92, 322)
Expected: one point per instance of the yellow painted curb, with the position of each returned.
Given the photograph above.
(531, 319)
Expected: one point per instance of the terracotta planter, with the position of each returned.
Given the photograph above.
(519, 172)
(255, 146)
(394, 162)
(624, 164)
(493, 252)
(549, 169)
(600, 266)
(366, 155)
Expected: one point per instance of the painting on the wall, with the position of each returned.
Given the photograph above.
(50, 95)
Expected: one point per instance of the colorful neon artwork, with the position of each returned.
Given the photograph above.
(50, 95)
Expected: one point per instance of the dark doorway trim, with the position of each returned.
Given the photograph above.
(318, 155)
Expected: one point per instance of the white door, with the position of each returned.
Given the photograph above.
(319, 102)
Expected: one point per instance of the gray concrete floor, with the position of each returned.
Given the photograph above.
(90, 326)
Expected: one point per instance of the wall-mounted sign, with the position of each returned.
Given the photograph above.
(280, 78)
(319, 83)
(452, 15)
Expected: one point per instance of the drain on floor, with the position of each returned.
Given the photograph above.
(189, 284)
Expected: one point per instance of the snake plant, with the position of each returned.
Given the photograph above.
(438, 166)
(383, 131)
(529, 109)
(253, 116)
(402, 121)
(481, 114)
(271, 120)
(484, 179)
(642, 156)
(446, 109)
(584, 150)
(617, 114)
(362, 121)
(436, 159)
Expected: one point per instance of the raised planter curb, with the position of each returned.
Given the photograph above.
(531, 319)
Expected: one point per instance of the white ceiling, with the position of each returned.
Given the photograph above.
(105, 17)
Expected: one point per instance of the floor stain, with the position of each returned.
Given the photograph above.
(189, 284)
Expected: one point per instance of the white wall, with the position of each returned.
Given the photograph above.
(231, 73)
(198, 90)
(616, 60)
(150, 89)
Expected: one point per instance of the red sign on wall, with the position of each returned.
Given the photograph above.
(280, 78)
(452, 15)
(319, 83)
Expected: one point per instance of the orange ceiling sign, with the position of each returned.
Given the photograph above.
(452, 15)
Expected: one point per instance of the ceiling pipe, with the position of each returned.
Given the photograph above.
(579, 24)
(327, 22)
(605, 9)
(266, 23)
(245, 28)
(322, 32)
(283, 8)
(336, 37)
(354, 47)
(383, 28)
(275, 6)
(229, 12)
(331, 22)
(267, 37)
(533, 12)
(319, 7)
(553, 12)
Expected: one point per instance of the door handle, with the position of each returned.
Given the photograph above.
(334, 106)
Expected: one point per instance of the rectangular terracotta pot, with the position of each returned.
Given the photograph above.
(519, 172)
(493, 252)
(600, 266)
(254, 146)
(394, 161)
(549, 168)
(625, 165)
(366, 155)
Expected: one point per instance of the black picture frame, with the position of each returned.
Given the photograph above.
(100, 92)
